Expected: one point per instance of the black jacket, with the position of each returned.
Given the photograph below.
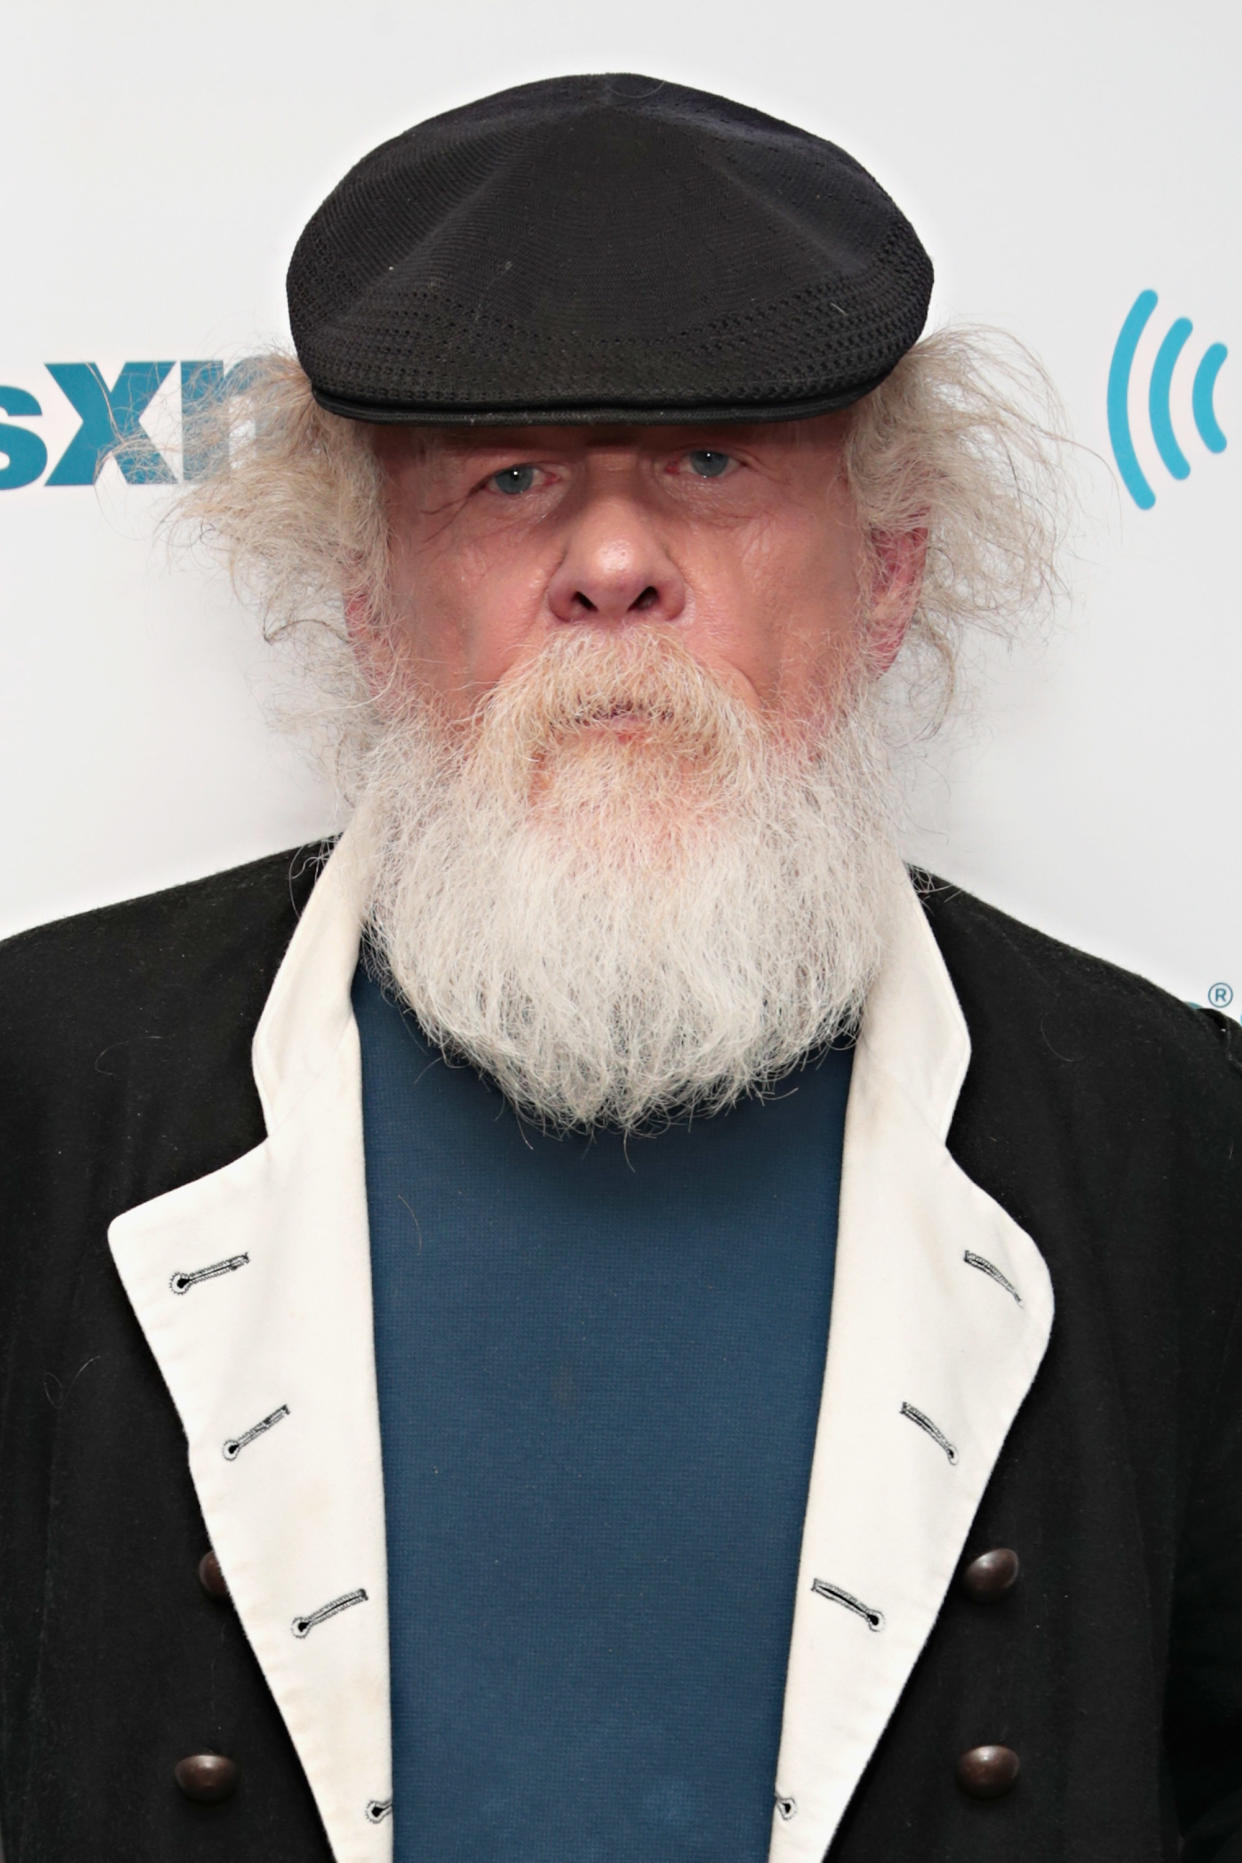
(1104, 1116)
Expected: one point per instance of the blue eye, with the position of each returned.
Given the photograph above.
(513, 480)
(705, 463)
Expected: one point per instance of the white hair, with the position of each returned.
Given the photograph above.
(616, 888)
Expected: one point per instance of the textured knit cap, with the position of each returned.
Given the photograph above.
(607, 248)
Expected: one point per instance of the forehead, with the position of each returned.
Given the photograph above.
(820, 437)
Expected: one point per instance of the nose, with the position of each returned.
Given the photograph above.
(615, 567)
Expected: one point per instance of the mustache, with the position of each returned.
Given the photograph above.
(581, 680)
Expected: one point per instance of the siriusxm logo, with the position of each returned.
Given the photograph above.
(109, 423)
(1159, 409)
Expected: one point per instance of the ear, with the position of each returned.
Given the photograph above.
(371, 649)
(357, 622)
(897, 559)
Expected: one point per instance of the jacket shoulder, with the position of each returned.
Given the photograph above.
(155, 993)
(1068, 1009)
(170, 936)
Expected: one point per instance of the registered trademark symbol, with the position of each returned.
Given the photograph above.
(1220, 995)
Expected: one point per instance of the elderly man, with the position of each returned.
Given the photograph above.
(597, 1228)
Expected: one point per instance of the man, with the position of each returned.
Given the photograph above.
(599, 1231)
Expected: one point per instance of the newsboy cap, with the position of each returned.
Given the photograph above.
(609, 249)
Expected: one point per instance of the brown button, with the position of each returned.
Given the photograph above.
(210, 1577)
(206, 1777)
(988, 1772)
(991, 1575)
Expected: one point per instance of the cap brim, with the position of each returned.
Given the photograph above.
(602, 414)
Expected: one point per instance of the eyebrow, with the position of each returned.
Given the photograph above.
(453, 440)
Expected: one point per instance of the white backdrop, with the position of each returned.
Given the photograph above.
(1057, 161)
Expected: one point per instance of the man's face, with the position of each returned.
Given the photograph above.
(635, 854)
(741, 541)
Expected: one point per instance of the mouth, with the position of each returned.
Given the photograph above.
(622, 718)
(619, 718)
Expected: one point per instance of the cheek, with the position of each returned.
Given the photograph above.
(794, 599)
(465, 610)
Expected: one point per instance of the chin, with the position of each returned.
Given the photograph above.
(627, 788)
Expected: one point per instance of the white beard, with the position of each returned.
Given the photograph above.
(618, 927)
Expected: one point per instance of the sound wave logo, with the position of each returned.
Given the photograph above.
(1158, 408)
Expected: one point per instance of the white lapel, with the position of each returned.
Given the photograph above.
(253, 1286)
(941, 1312)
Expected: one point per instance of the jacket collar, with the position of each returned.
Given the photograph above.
(941, 1313)
(249, 1283)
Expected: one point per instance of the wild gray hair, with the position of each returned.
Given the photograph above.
(961, 441)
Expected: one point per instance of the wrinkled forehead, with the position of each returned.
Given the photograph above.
(820, 438)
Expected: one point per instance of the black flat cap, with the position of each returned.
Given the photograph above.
(599, 249)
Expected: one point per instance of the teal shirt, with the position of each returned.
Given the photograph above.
(599, 1369)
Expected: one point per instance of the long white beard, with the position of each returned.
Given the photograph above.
(618, 926)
